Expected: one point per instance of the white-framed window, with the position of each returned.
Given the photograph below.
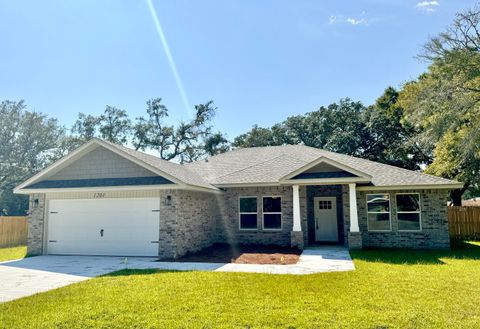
(409, 211)
(247, 219)
(272, 212)
(378, 212)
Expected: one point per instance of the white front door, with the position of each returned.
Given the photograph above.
(114, 227)
(325, 213)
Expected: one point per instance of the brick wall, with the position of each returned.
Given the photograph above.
(434, 221)
(228, 220)
(36, 222)
(196, 221)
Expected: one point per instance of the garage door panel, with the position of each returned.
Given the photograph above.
(129, 227)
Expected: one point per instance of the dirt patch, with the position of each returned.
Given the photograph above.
(244, 254)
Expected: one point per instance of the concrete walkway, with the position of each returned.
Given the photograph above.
(32, 275)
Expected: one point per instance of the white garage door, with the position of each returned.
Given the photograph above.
(117, 227)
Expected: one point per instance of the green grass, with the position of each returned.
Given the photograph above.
(389, 289)
(12, 253)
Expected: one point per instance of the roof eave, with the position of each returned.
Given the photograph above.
(119, 188)
(447, 186)
(326, 181)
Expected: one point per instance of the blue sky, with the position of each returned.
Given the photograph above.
(260, 61)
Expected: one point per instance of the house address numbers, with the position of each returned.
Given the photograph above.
(98, 195)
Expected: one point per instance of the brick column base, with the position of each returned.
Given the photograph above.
(354, 240)
(296, 239)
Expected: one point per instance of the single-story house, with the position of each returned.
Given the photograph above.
(106, 199)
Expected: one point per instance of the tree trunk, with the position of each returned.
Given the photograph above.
(456, 197)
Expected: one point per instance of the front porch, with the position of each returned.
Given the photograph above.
(325, 214)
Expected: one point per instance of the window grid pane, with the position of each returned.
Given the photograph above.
(325, 204)
(408, 221)
(248, 205)
(272, 204)
(248, 213)
(272, 213)
(248, 221)
(272, 221)
(408, 202)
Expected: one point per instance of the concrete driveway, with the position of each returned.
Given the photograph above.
(28, 276)
(32, 275)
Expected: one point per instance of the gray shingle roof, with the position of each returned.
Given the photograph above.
(181, 172)
(267, 165)
(270, 164)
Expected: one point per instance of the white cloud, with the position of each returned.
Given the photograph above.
(428, 6)
(332, 19)
(354, 21)
(340, 19)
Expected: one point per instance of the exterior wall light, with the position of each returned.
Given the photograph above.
(168, 200)
(35, 203)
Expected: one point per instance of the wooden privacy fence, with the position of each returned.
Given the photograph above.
(464, 223)
(13, 231)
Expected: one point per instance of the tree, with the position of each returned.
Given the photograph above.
(337, 127)
(376, 132)
(391, 139)
(115, 125)
(258, 136)
(443, 103)
(28, 142)
(216, 144)
(182, 143)
(86, 126)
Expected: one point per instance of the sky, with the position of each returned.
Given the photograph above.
(260, 61)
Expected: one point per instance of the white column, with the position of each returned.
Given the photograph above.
(297, 226)
(353, 208)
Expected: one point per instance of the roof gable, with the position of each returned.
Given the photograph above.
(131, 161)
(99, 162)
(326, 170)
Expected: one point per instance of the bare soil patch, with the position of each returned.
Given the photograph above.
(244, 254)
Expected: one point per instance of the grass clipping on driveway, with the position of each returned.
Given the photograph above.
(389, 289)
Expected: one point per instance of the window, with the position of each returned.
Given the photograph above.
(324, 204)
(272, 213)
(408, 212)
(248, 213)
(378, 212)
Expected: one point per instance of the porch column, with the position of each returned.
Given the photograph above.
(353, 208)
(354, 236)
(296, 238)
(297, 226)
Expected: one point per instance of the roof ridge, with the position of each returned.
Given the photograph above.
(252, 165)
(240, 149)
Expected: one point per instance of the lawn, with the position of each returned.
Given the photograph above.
(12, 253)
(389, 289)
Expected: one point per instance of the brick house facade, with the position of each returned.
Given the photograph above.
(289, 197)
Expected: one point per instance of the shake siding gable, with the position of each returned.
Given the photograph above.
(101, 163)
